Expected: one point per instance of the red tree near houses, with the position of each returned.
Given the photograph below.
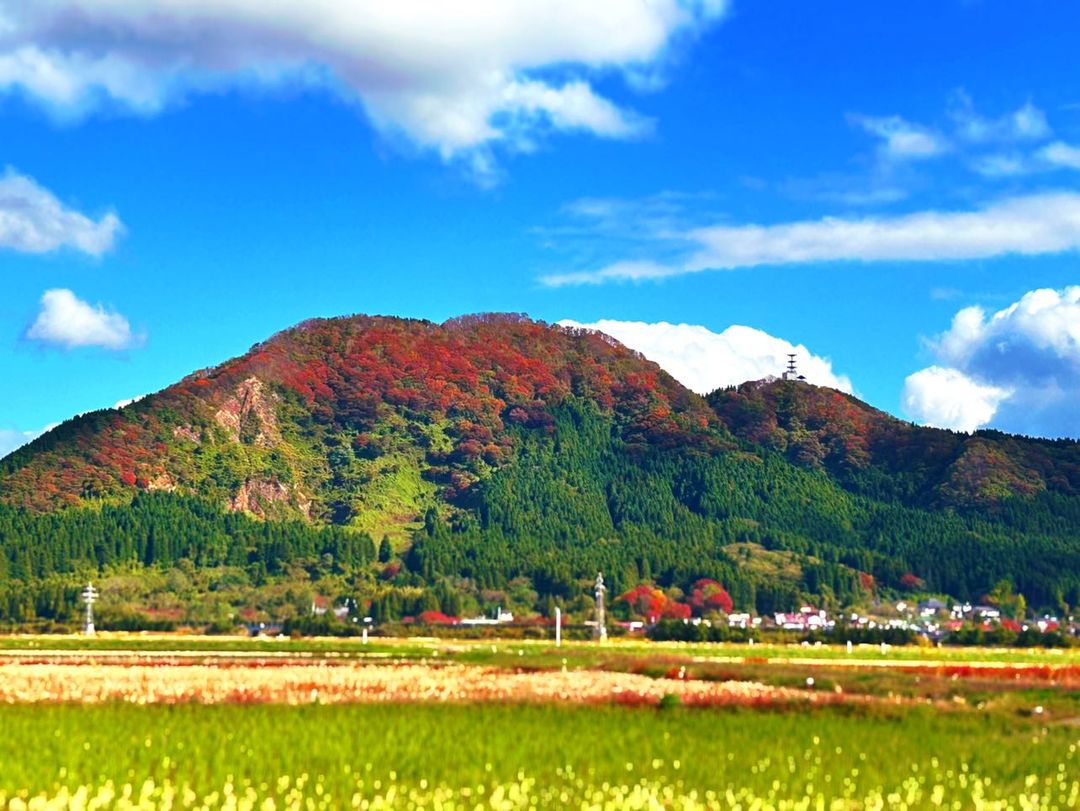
(436, 618)
(653, 604)
(708, 595)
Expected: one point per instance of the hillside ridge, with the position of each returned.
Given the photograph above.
(274, 427)
(498, 455)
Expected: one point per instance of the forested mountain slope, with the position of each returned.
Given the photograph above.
(874, 453)
(503, 454)
(357, 420)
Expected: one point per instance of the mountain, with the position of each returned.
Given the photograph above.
(874, 453)
(362, 421)
(504, 461)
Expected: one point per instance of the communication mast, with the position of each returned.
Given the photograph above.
(600, 630)
(89, 596)
(792, 373)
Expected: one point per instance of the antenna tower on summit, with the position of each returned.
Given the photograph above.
(792, 373)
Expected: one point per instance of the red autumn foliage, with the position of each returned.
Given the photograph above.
(436, 618)
(911, 582)
(653, 604)
(816, 426)
(485, 378)
(677, 611)
(708, 595)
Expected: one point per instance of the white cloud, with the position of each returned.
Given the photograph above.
(1045, 320)
(901, 139)
(1022, 364)
(1056, 155)
(1029, 122)
(574, 106)
(1061, 154)
(452, 77)
(32, 220)
(67, 321)
(1002, 164)
(704, 361)
(991, 147)
(622, 271)
(1029, 225)
(126, 402)
(947, 398)
(1042, 223)
(1026, 123)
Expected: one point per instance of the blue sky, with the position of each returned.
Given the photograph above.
(890, 187)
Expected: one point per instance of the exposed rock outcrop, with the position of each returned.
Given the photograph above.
(250, 415)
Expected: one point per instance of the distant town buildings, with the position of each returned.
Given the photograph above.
(501, 617)
(806, 618)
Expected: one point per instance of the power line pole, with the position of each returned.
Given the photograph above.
(89, 596)
(600, 631)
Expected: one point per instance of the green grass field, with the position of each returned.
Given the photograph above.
(529, 756)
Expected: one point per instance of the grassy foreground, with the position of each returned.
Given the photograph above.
(271, 756)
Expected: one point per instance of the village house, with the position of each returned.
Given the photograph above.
(807, 618)
(931, 608)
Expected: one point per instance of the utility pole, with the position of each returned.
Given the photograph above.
(600, 631)
(89, 596)
(558, 627)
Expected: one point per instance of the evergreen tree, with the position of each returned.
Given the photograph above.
(386, 550)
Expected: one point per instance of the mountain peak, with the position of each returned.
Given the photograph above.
(277, 430)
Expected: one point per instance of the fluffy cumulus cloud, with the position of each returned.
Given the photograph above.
(947, 398)
(67, 321)
(1017, 369)
(1026, 225)
(703, 360)
(33, 220)
(449, 76)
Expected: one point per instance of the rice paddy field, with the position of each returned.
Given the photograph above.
(167, 722)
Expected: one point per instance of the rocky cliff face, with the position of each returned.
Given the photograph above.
(249, 415)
